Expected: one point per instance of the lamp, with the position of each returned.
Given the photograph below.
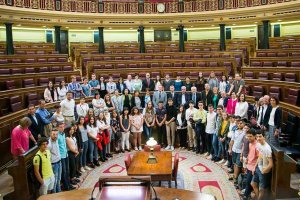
(151, 143)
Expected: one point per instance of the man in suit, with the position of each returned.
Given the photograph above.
(183, 98)
(148, 83)
(158, 96)
(195, 96)
(36, 127)
(206, 96)
(173, 95)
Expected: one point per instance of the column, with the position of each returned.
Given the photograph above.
(57, 39)
(9, 39)
(141, 39)
(266, 25)
(180, 28)
(222, 37)
(101, 40)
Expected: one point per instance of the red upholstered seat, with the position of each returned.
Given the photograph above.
(175, 169)
(186, 57)
(267, 64)
(41, 60)
(166, 64)
(67, 68)
(177, 57)
(57, 80)
(62, 60)
(121, 66)
(52, 59)
(281, 64)
(178, 64)
(55, 69)
(255, 64)
(282, 54)
(127, 58)
(144, 65)
(3, 61)
(28, 83)
(206, 56)
(261, 54)
(213, 64)
(107, 58)
(10, 84)
(293, 96)
(189, 64)
(295, 64)
(43, 81)
(29, 60)
(290, 77)
(201, 64)
(17, 71)
(155, 148)
(137, 57)
(277, 77)
(96, 59)
(154, 65)
(275, 92)
(32, 98)
(166, 57)
(15, 103)
(16, 60)
(108, 66)
(154, 74)
(116, 76)
(194, 74)
(263, 76)
(198, 56)
(4, 71)
(181, 74)
(157, 57)
(118, 58)
(127, 161)
(271, 54)
(258, 91)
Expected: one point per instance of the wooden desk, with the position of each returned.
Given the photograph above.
(162, 193)
(161, 171)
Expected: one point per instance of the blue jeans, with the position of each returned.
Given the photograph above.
(221, 149)
(57, 170)
(85, 146)
(248, 188)
(147, 131)
(65, 176)
(93, 150)
(215, 144)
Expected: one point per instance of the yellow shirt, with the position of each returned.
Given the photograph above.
(223, 126)
(46, 163)
(200, 114)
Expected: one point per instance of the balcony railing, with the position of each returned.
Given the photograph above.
(113, 7)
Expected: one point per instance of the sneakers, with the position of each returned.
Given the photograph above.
(226, 163)
(172, 148)
(140, 148)
(82, 170)
(136, 149)
(168, 148)
(221, 161)
(87, 168)
(209, 157)
(206, 154)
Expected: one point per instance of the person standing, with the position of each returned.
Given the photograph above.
(125, 129)
(83, 133)
(67, 108)
(181, 127)
(86, 88)
(241, 108)
(149, 119)
(50, 93)
(136, 122)
(189, 115)
(200, 121)
(62, 90)
(46, 118)
(206, 96)
(148, 83)
(82, 108)
(36, 127)
(173, 95)
(94, 84)
(167, 83)
(231, 104)
(42, 167)
(195, 96)
(136, 84)
(102, 90)
(158, 96)
(128, 83)
(117, 101)
(170, 124)
(160, 118)
(210, 130)
(110, 86)
(75, 88)
(183, 98)
(238, 85)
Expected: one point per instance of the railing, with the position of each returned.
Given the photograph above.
(121, 7)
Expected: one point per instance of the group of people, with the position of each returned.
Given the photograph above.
(208, 116)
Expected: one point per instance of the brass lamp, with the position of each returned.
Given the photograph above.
(151, 143)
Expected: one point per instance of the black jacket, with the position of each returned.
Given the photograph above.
(35, 128)
(133, 101)
(277, 118)
(119, 87)
(187, 99)
(151, 86)
(174, 97)
(184, 122)
(198, 98)
(207, 99)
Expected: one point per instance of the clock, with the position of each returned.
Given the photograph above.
(161, 7)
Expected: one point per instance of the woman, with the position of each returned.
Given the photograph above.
(82, 128)
(89, 114)
(117, 101)
(115, 126)
(126, 99)
(125, 129)
(200, 82)
(72, 153)
(20, 138)
(149, 119)
(92, 131)
(213, 80)
(82, 108)
(230, 109)
(136, 122)
(188, 84)
(50, 93)
(215, 97)
(147, 97)
(102, 89)
(177, 84)
(224, 85)
(121, 86)
(137, 84)
(181, 124)
(103, 128)
(108, 102)
(274, 123)
(157, 82)
(98, 104)
(241, 108)
(62, 90)
(137, 100)
(222, 136)
(57, 116)
(86, 88)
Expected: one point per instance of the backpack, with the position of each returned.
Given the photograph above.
(31, 176)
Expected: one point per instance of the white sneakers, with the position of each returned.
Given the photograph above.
(169, 148)
(209, 157)
(136, 149)
(226, 163)
(221, 161)
(82, 170)
(206, 154)
(172, 148)
(140, 148)
(87, 168)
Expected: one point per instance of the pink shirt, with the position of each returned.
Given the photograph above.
(19, 139)
(252, 156)
(230, 109)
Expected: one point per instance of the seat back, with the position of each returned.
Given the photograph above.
(15, 103)
(28, 83)
(43, 81)
(32, 99)
(10, 85)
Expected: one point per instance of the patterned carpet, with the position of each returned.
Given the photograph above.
(196, 173)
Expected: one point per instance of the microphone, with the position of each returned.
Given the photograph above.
(96, 185)
(155, 198)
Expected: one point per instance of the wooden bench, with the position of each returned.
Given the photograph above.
(29, 45)
(35, 58)
(35, 51)
(278, 53)
(285, 38)
(274, 62)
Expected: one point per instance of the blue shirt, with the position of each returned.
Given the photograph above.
(177, 85)
(93, 83)
(44, 114)
(62, 145)
(86, 89)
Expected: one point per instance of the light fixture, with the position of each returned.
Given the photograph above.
(67, 27)
(171, 27)
(151, 143)
(110, 28)
(19, 25)
(255, 22)
(212, 25)
(233, 24)
(130, 28)
(279, 20)
(44, 26)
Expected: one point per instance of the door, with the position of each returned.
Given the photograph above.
(64, 42)
(260, 36)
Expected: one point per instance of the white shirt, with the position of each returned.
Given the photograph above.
(262, 113)
(62, 93)
(237, 137)
(265, 152)
(67, 107)
(111, 87)
(82, 110)
(241, 109)
(211, 123)
(190, 113)
(222, 86)
(272, 117)
(128, 84)
(92, 130)
(183, 101)
(100, 124)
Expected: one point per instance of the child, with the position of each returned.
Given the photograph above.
(125, 129)
(111, 136)
(115, 126)
(136, 122)
(222, 135)
(104, 138)
(92, 131)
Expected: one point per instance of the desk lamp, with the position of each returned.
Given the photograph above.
(151, 143)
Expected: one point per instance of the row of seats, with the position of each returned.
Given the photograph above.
(284, 46)
(258, 91)
(289, 77)
(274, 63)
(278, 54)
(32, 60)
(16, 101)
(35, 70)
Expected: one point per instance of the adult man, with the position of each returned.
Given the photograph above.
(171, 94)
(167, 83)
(46, 118)
(158, 96)
(263, 170)
(94, 83)
(75, 88)
(42, 167)
(67, 108)
(160, 118)
(210, 130)
(55, 160)
(128, 83)
(148, 83)
(188, 84)
(36, 127)
(235, 149)
(200, 120)
(237, 85)
(110, 86)
(206, 96)
(189, 115)
(170, 124)
(195, 96)
(183, 98)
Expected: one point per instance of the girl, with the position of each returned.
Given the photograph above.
(231, 104)
(82, 128)
(111, 136)
(104, 136)
(62, 90)
(215, 98)
(57, 116)
(121, 86)
(86, 88)
(92, 131)
(125, 129)
(89, 114)
(241, 108)
(98, 104)
(224, 85)
(200, 82)
(177, 84)
(102, 90)
(181, 127)
(157, 82)
(137, 100)
(136, 122)
(147, 97)
(50, 93)
(126, 99)
(222, 135)
(82, 108)
(108, 102)
(149, 119)
(137, 84)
(115, 126)
(274, 122)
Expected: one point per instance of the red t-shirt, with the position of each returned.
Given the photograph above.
(19, 139)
